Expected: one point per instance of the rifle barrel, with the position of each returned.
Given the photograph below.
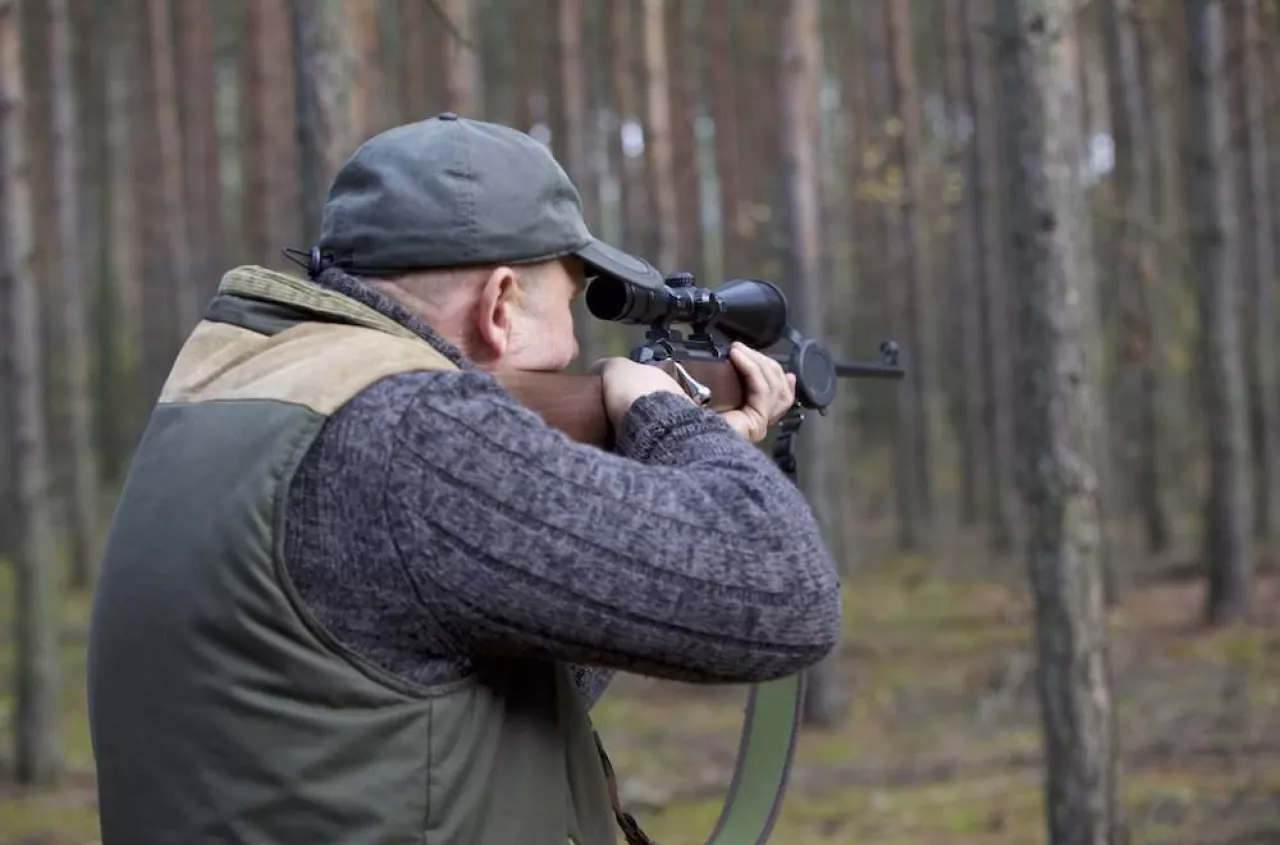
(858, 369)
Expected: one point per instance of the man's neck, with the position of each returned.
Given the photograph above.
(350, 286)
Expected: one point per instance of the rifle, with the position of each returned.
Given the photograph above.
(753, 312)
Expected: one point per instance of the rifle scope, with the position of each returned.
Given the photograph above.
(750, 311)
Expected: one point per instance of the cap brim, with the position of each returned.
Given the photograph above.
(610, 261)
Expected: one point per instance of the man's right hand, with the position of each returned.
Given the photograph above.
(625, 381)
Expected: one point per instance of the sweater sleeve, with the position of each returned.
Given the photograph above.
(684, 554)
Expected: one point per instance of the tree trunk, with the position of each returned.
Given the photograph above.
(1260, 257)
(186, 287)
(1228, 516)
(627, 108)
(801, 81)
(970, 389)
(983, 172)
(1061, 407)
(207, 235)
(73, 293)
(913, 428)
(724, 118)
(271, 183)
(658, 134)
(325, 134)
(37, 740)
(462, 92)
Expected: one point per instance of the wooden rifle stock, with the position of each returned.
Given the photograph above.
(574, 403)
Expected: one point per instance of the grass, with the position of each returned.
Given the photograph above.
(940, 743)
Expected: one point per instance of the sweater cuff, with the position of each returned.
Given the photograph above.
(658, 422)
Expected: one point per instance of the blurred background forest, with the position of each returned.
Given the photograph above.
(1066, 214)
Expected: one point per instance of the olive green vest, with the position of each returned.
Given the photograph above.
(220, 711)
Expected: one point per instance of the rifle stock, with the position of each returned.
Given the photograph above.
(574, 403)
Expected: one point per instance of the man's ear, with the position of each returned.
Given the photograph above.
(495, 311)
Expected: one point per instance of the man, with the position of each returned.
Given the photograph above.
(356, 593)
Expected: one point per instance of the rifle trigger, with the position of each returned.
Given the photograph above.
(700, 393)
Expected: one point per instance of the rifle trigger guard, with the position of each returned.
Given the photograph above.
(698, 392)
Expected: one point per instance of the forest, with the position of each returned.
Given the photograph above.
(1057, 534)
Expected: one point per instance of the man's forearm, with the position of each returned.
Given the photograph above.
(702, 563)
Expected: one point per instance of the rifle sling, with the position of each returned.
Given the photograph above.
(765, 752)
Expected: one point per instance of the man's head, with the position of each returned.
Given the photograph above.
(477, 229)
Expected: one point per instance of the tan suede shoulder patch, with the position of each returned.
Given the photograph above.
(319, 365)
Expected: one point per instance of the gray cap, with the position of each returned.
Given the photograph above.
(450, 192)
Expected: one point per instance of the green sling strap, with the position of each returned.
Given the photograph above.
(765, 751)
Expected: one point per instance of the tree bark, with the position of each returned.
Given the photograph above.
(1137, 272)
(462, 83)
(206, 234)
(37, 739)
(658, 134)
(73, 292)
(969, 387)
(1260, 259)
(913, 428)
(983, 172)
(801, 81)
(1060, 400)
(186, 288)
(725, 120)
(271, 182)
(322, 80)
(1215, 249)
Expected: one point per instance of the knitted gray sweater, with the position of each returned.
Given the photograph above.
(436, 521)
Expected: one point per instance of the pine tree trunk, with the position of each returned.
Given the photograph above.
(724, 117)
(1215, 248)
(325, 135)
(462, 91)
(658, 133)
(1260, 301)
(628, 108)
(969, 391)
(801, 80)
(1060, 401)
(186, 287)
(1136, 265)
(37, 740)
(73, 293)
(913, 428)
(271, 184)
(986, 168)
(203, 187)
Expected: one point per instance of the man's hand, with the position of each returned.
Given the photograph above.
(770, 393)
(625, 381)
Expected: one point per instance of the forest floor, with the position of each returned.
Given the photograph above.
(940, 742)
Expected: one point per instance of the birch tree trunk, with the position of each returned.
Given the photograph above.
(1215, 253)
(37, 740)
(1060, 401)
(73, 292)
